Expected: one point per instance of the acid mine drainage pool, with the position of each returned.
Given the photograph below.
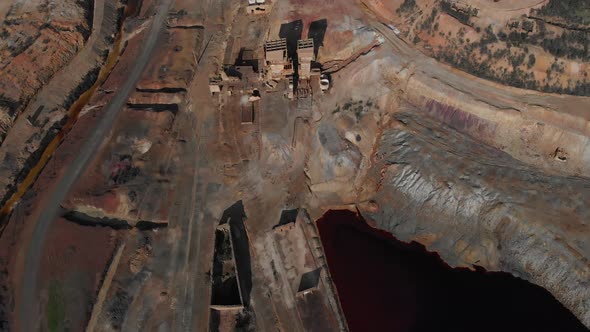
(388, 285)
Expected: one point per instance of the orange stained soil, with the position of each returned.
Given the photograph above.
(73, 113)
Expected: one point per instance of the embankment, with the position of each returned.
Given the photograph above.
(24, 150)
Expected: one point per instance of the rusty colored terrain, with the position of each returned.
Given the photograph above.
(38, 39)
(179, 187)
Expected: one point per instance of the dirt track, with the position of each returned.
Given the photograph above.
(4, 7)
(29, 285)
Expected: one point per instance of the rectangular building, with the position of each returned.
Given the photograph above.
(305, 56)
(276, 59)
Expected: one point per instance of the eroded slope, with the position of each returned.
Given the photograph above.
(478, 206)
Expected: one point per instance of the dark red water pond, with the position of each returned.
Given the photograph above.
(388, 285)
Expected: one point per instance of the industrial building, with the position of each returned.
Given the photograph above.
(305, 56)
(278, 63)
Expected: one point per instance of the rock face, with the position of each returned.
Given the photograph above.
(43, 114)
(115, 185)
(38, 39)
(476, 205)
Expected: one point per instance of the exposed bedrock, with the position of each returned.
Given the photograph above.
(476, 205)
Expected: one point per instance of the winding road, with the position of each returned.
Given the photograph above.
(497, 95)
(28, 302)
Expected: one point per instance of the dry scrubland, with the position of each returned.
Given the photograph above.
(37, 38)
(538, 45)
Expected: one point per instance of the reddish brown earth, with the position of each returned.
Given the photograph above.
(73, 265)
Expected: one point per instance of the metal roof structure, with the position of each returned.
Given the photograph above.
(276, 50)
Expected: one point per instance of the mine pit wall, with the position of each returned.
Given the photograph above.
(480, 219)
(528, 132)
(24, 145)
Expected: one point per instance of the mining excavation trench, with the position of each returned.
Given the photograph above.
(387, 285)
(72, 117)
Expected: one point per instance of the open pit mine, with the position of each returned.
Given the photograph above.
(289, 165)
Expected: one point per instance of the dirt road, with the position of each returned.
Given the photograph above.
(27, 307)
(494, 94)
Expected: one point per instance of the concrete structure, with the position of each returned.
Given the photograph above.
(225, 285)
(304, 89)
(277, 62)
(305, 56)
(301, 260)
(224, 318)
(247, 111)
(257, 6)
(240, 65)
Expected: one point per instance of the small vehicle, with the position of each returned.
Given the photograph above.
(324, 82)
(393, 28)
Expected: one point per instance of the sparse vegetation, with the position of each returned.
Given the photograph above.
(347, 106)
(514, 76)
(407, 6)
(570, 44)
(532, 61)
(572, 11)
(427, 24)
(358, 107)
(506, 54)
(55, 308)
